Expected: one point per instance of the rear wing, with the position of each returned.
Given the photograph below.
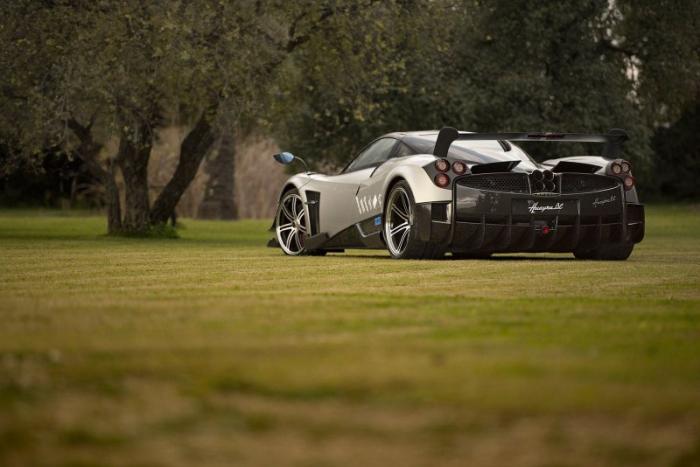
(613, 139)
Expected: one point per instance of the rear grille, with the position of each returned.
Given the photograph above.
(581, 183)
(510, 182)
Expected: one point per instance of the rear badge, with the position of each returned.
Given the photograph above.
(535, 207)
(600, 202)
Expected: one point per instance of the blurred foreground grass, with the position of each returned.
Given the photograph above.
(215, 350)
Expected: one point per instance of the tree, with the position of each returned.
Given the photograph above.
(366, 78)
(82, 72)
(218, 201)
(677, 157)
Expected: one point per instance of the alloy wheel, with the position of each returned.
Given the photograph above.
(398, 223)
(291, 224)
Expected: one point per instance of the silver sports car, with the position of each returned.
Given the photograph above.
(425, 193)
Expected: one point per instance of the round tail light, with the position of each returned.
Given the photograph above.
(616, 168)
(549, 185)
(538, 187)
(442, 165)
(548, 175)
(459, 167)
(628, 182)
(537, 175)
(442, 180)
(626, 167)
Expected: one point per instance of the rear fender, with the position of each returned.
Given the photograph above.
(422, 187)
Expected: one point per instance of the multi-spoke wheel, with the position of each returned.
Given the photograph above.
(291, 223)
(400, 228)
(399, 219)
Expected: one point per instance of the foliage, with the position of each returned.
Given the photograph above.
(504, 65)
(83, 72)
(677, 160)
(341, 92)
(327, 77)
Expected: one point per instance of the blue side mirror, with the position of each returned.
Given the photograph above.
(284, 158)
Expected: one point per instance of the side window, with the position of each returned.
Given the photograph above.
(403, 150)
(374, 155)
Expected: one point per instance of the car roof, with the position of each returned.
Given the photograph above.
(421, 141)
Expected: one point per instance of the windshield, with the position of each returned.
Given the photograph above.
(484, 152)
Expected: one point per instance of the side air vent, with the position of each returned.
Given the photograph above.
(494, 167)
(569, 166)
(438, 212)
(371, 226)
(582, 183)
(313, 198)
(508, 182)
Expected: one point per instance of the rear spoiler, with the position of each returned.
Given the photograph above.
(613, 139)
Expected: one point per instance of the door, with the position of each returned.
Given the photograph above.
(370, 195)
(340, 207)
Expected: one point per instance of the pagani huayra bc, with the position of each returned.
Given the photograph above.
(426, 193)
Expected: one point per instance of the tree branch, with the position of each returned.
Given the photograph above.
(326, 13)
(609, 45)
(295, 42)
(192, 150)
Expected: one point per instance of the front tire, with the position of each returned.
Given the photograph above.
(291, 228)
(400, 228)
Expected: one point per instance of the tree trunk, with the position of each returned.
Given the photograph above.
(114, 210)
(134, 152)
(192, 150)
(219, 195)
(88, 150)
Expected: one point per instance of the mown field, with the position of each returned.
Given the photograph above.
(214, 350)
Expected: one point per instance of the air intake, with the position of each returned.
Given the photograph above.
(506, 182)
(582, 183)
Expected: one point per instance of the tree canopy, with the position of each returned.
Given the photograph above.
(515, 65)
(82, 72)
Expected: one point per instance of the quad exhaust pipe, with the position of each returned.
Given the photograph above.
(542, 181)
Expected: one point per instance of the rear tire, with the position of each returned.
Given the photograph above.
(401, 230)
(610, 252)
(471, 255)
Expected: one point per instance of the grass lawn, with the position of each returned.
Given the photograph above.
(214, 350)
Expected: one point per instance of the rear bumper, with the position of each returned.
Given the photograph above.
(491, 221)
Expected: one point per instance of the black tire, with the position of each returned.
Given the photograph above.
(290, 234)
(405, 244)
(610, 252)
(458, 255)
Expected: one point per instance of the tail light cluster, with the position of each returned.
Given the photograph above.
(623, 170)
(542, 181)
(443, 167)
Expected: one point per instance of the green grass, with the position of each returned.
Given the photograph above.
(212, 349)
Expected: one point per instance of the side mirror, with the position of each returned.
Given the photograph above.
(284, 158)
